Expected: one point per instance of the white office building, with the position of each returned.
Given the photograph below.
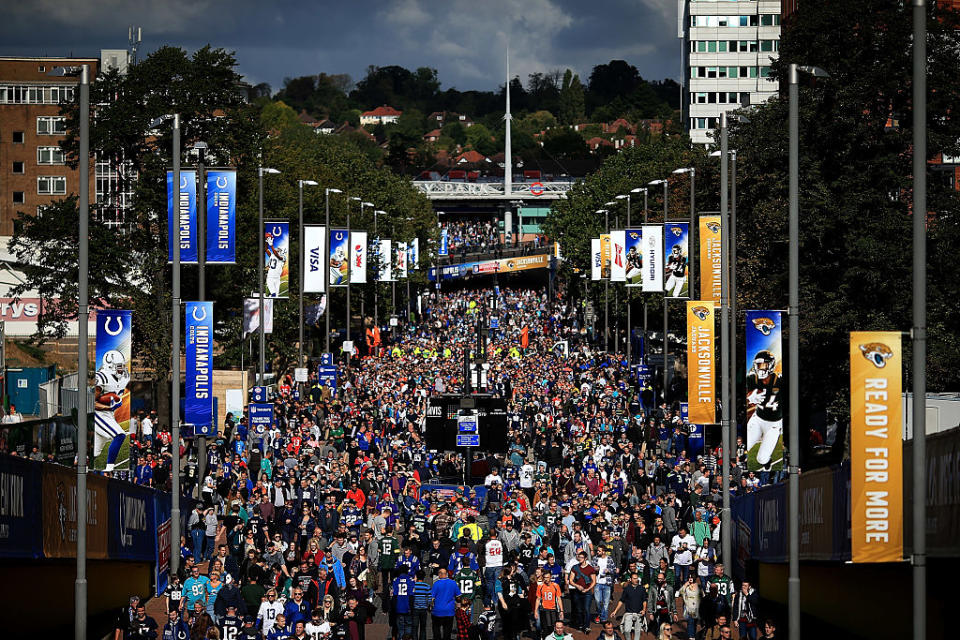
(728, 47)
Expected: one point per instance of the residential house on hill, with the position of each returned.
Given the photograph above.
(381, 115)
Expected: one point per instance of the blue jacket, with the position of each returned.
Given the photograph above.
(336, 568)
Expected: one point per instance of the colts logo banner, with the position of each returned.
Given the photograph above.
(221, 216)
(198, 401)
(876, 446)
(339, 258)
(183, 217)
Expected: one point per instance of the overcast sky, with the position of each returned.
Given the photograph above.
(464, 40)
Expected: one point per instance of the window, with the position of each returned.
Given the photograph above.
(50, 155)
(51, 125)
(701, 123)
(51, 185)
(764, 72)
(722, 46)
(41, 69)
(753, 72)
(701, 98)
(712, 46)
(18, 137)
(769, 45)
(36, 94)
(711, 72)
(18, 197)
(732, 72)
(745, 99)
(769, 19)
(18, 167)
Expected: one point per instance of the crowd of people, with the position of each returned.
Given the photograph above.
(480, 235)
(341, 509)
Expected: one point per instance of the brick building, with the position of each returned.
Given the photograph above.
(33, 171)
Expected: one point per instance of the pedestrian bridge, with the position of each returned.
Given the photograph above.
(442, 190)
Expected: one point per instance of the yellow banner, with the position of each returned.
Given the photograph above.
(605, 256)
(710, 259)
(701, 363)
(876, 446)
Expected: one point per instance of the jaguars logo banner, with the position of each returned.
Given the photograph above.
(605, 256)
(111, 408)
(701, 363)
(634, 247)
(876, 446)
(676, 258)
(710, 258)
(765, 390)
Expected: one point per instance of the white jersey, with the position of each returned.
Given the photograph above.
(526, 476)
(493, 554)
(268, 614)
(316, 631)
(112, 382)
(275, 266)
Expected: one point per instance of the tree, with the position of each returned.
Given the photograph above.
(571, 99)
(564, 143)
(855, 186)
(480, 139)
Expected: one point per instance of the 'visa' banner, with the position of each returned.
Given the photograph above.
(314, 255)
(221, 216)
(186, 216)
(198, 400)
(596, 258)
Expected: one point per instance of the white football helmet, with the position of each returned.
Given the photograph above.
(114, 362)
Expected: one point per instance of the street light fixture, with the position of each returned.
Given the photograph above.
(262, 171)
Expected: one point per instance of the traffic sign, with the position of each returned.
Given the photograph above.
(468, 440)
(536, 189)
(467, 423)
(494, 322)
(327, 376)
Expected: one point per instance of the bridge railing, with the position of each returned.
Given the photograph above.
(439, 189)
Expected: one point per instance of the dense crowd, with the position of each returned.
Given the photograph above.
(337, 511)
(479, 235)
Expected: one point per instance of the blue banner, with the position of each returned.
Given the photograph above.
(742, 520)
(162, 508)
(327, 376)
(20, 497)
(111, 415)
(261, 415)
(185, 215)
(221, 216)
(131, 535)
(676, 258)
(765, 390)
(277, 258)
(695, 441)
(198, 400)
(444, 243)
(770, 518)
(339, 257)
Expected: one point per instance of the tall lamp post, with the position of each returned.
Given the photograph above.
(919, 560)
(80, 585)
(793, 425)
(326, 312)
(666, 317)
(616, 292)
(261, 171)
(300, 185)
(626, 295)
(643, 357)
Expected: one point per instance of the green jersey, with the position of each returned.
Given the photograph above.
(469, 583)
(389, 552)
(724, 584)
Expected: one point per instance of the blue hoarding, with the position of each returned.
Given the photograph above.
(770, 520)
(162, 506)
(185, 216)
(20, 524)
(132, 522)
(221, 216)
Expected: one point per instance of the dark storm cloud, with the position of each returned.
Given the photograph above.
(464, 40)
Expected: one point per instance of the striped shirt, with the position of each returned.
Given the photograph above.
(421, 596)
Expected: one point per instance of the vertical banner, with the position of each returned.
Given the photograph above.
(710, 258)
(385, 258)
(198, 400)
(251, 315)
(358, 257)
(444, 243)
(401, 261)
(185, 215)
(604, 256)
(634, 248)
(314, 254)
(652, 257)
(618, 258)
(765, 390)
(339, 257)
(876, 446)
(701, 363)
(596, 259)
(415, 255)
(221, 216)
(677, 257)
(111, 415)
(276, 259)
(60, 518)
